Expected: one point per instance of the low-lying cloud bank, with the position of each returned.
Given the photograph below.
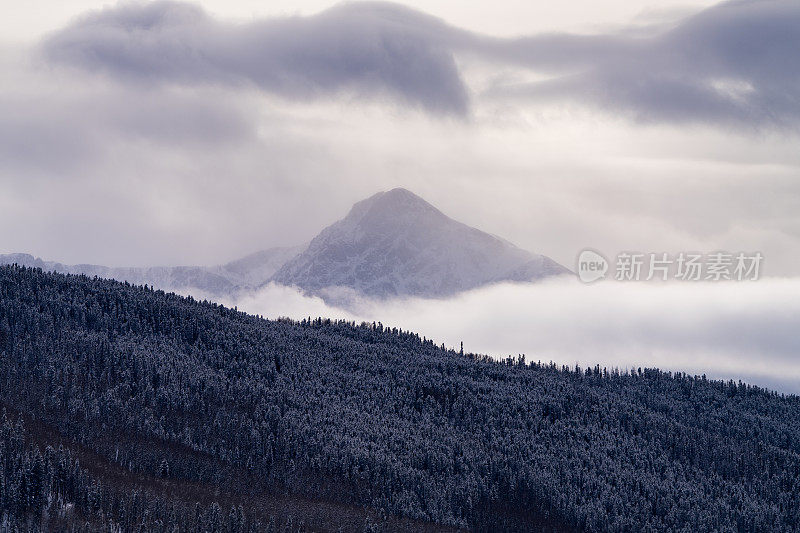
(733, 330)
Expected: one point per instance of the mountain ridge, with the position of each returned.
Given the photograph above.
(393, 243)
(212, 408)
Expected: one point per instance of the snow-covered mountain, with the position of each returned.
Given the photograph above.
(391, 244)
(397, 244)
(214, 282)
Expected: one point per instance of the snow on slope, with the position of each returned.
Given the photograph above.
(395, 243)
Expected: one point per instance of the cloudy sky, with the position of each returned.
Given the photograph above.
(194, 133)
(185, 133)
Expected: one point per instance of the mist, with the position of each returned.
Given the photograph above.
(731, 330)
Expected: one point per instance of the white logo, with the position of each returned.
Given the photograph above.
(591, 266)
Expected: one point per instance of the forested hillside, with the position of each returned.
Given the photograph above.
(127, 407)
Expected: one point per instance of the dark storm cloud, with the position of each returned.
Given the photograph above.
(371, 51)
(735, 63)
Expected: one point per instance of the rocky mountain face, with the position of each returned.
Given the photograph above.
(397, 244)
(391, 244)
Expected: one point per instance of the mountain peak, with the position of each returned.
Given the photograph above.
(396, 243)
(396, 204)
(399, 192)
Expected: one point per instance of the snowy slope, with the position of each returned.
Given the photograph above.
(396, 243)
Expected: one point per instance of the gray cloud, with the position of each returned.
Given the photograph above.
(735, 63)
(378, 50)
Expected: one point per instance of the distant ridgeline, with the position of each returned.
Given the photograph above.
(392, 244)
(134, 409)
